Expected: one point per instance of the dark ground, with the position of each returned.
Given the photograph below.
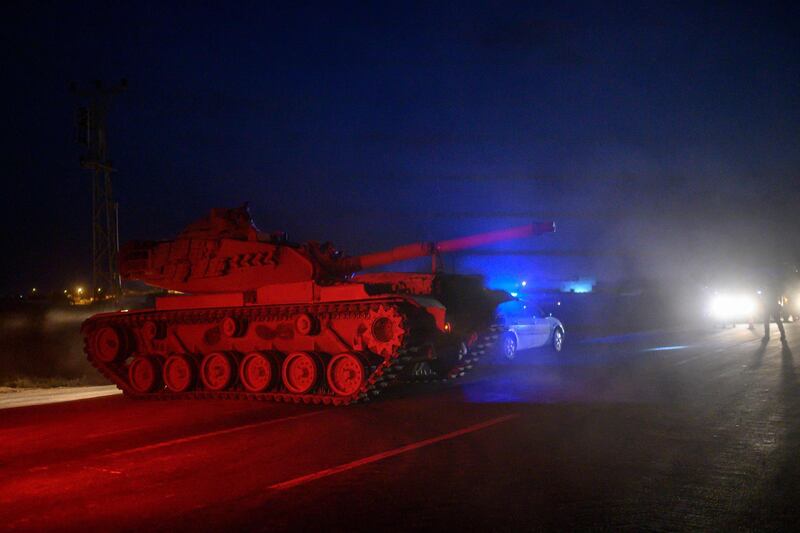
(678, 430)
(41, 345)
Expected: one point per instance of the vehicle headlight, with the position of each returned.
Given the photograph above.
(730, 307)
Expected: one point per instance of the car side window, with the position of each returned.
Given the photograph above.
(512, 310)
(531, 311)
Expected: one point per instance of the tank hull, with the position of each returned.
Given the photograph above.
(332, 353)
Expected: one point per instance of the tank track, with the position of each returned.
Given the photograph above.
(380, 376)
(480, 349)
(486, 345)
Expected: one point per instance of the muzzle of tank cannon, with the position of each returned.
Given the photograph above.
(354, 264)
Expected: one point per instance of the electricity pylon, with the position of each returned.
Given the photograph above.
(91, 133)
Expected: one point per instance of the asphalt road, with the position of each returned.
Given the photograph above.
(674, 430)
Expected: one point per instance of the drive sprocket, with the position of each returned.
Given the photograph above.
(385, 330)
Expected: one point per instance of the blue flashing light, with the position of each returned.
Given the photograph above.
(514, 294)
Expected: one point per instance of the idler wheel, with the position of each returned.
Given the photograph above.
(257, 372)
(233, 327)
(144, 374)
(306, 324)
(109, 344)
(300, 372)
(179, 373)
(346, 374)
(217, 371)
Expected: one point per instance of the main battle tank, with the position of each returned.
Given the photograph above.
(252, 315)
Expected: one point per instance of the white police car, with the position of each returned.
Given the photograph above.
(525, 326)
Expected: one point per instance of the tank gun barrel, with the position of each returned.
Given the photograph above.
(421, 249)
(473, 241)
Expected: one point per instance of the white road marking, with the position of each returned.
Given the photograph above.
(391, 453)
(193, 438)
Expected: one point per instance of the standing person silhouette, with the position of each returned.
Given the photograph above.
(771, 294)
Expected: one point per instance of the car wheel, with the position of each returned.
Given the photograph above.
(508, 347)
(558, 340)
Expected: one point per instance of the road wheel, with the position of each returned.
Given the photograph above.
(300, 372)
(508, 347)
(217, 371)
(557, 342)
(179, 373)
(257, 372)
(346, 374)
(144, 374)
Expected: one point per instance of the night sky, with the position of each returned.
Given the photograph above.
(663, 138)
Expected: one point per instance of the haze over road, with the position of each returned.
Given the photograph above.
(24, 397)
(671, 430)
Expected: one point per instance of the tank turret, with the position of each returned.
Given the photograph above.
(225, 252)
(268, 319)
